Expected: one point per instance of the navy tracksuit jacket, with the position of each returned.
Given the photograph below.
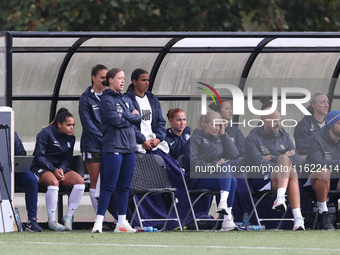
(91, 137)
(176, 143)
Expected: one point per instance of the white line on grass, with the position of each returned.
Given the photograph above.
(187, 246)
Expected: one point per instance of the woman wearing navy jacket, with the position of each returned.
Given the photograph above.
(179, 133)
(91, 138)
(28, 181)
(210, 148)
(234, 132)
(53, 154)
(151, 131)
(118, 116)
(150, 135)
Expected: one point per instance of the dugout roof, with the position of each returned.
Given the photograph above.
(43, 71)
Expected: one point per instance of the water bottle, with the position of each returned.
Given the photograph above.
(256, 228)
(245, 218)
(146, 229)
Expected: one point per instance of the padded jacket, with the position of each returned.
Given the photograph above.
(324, 151)
(19, 149)
(118, 132)
(52, 150)
(304, 131)
(206, 150)
(91, 137)
(259, 143)
(157, 122)
(177, 143)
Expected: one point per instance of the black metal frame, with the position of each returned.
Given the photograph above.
(174, 37)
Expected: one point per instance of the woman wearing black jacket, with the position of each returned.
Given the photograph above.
(118, 116)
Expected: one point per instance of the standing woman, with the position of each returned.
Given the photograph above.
(53, 154)
(151, 131)
(178, 135)
(91, 138)
(119, 149)
(150, 135)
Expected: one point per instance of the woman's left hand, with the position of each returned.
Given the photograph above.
(59, 174)
(220, 162)
(154, 142)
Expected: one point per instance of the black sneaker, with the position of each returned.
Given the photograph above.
(106, 226)
(325, 221)
(32, 226)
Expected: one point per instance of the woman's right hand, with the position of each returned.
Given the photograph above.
(135, 112)
(222, 129)
(59, 174)
(147, 145)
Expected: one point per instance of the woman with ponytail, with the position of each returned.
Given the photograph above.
(226, 111)
(53, 154)
(178, 135)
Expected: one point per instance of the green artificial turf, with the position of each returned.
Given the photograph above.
(171, 242)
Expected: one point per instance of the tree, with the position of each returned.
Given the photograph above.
(160, 15)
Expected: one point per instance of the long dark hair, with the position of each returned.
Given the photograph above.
(95, 70)
(61, 116)
(135, 75)
(218, 107)
(111, 74)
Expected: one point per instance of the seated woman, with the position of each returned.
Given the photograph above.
(311, 124)
(53, 154)
(179, 133)
(27, 181)
(233, 131)
(211, 148)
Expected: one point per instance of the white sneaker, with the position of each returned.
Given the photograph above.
(299, 224)
(280, 204)
(222, 208)
(56, 226)
(97, 227)
(67, 220)
(228, 225)
(124, 228)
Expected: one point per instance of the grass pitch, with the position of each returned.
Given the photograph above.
(171, 242)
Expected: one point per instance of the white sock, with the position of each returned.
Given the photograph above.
(297, 213)
(94, 201)
(322, 206)
(121, 219)
(281, 192)
(224, 195)
(229, 216)
(74, 199)
(51, 202)
(100, 218)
